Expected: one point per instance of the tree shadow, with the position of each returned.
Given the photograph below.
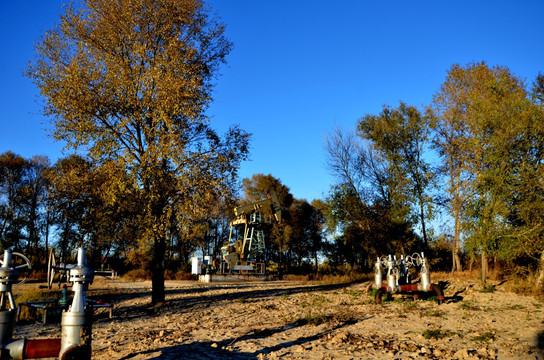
(456, 297)
(223, 349)
(245, 293)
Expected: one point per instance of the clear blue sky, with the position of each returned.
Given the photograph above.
(300, 67)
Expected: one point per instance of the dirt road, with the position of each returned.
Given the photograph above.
(295, 320)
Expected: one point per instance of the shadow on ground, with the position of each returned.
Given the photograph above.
(226, 349)
(200, 299)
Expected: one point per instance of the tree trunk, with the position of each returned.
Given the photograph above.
(484, 267)
(157, 270)
(456, 266)
(422, 216)
(316, 263)
(540, 278)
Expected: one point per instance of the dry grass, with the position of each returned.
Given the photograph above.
(330, 279)
(523, 286)
(34, 294)
(137, 275)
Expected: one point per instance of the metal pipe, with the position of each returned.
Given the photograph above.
(13, 350)
(379, 294)
(6, 326)
(30, 349)
(42, 348)
(77, 321)
(439, 293)
(378, 277)
(410, 288)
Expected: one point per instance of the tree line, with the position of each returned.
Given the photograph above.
(475, 156)
(65, 205)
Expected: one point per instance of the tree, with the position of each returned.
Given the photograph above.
(129, 82)
(492, 140)
(12, 179)
(401, 136)
(316, 230)
(305, 240)
(34, 192)
(364, 212)
(450, 131)
(70, 199)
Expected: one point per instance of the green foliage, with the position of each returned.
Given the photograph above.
(23, 192)
(366, 212)
(470, 306)
(491, 139)
(409, 306)
(400, 135)
(318, 312)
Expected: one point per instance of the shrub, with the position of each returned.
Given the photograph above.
(137, 275)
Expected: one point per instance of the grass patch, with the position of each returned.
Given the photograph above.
(432, 298)
(469, 306)
(313, 318)
(409, 306)
(329, 278)
(485, 337)
(435, 334)
(354, 293)
(433, 313)
(345, 316)
(488, 288)
(317, 317)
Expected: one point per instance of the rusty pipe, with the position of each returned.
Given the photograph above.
(384, 289)
(41, 348)
(379, 294)
(21, 349)
(439, 293)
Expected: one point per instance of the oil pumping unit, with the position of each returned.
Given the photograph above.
(248, 254)
(398, 277)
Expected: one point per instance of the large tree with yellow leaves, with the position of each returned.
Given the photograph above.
(128, 81)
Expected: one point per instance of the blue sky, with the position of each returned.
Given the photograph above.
(299, 68)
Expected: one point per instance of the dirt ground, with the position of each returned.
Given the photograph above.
(297, 320)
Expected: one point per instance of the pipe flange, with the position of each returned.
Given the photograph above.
(81, 274)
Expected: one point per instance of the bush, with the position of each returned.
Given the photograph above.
(178, 275)
(137, 275)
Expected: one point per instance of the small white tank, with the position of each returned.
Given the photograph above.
(196, 266)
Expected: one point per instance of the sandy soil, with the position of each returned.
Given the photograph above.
(295, 320)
